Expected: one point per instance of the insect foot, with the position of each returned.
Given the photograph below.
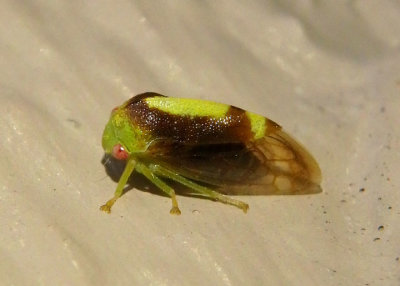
(107, 207)
(175, 211)
(244, 207)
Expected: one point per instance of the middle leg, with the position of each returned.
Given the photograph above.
(149, 174)
(204, 191)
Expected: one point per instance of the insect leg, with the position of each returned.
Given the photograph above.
(130, 166)
(209, 193)
(149, 174)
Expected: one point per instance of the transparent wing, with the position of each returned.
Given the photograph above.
(291, 170)
(273, 165)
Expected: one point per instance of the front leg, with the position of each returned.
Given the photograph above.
(130, 166)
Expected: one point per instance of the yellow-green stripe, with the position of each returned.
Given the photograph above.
(188, 107)
(258, 124)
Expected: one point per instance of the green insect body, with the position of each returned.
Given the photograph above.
(213, 149)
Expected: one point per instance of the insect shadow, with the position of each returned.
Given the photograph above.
(114, 169)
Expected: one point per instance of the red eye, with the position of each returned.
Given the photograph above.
(119, 152)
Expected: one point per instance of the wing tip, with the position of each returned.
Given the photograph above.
(312, 176)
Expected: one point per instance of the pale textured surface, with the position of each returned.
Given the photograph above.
(329, 73)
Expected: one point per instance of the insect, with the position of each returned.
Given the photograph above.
(213, 149)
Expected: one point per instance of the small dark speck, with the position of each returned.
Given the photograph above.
(343, 201)
(379, 199)
(397, 258)
(376, 238)
(389, 207)
(76, 123)
(381, 227)
(383, 109)
(362, 190)
(321, 108)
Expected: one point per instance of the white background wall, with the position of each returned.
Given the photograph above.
(329, 72)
